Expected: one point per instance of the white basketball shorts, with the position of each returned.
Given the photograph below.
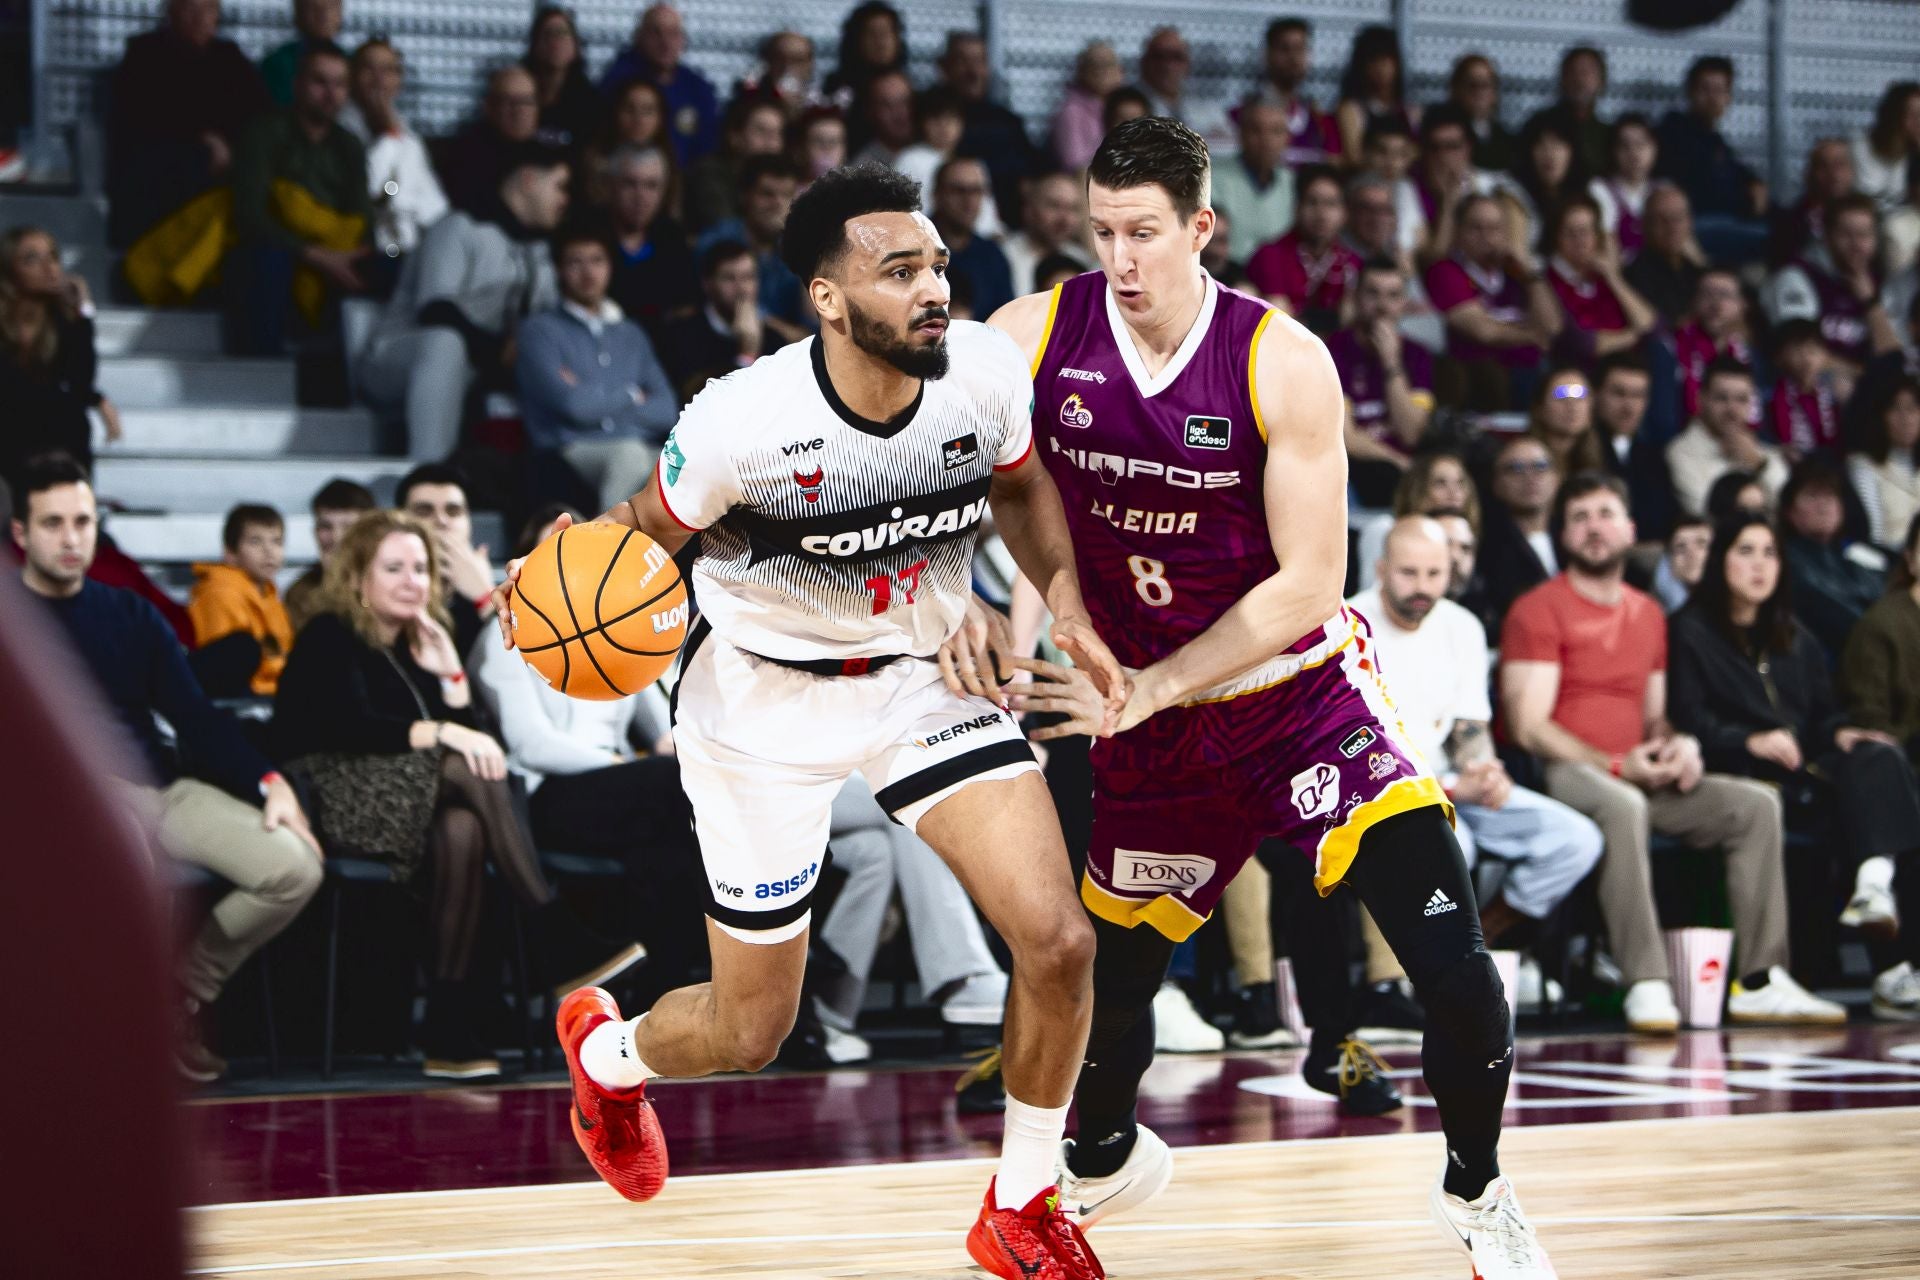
(764, 750)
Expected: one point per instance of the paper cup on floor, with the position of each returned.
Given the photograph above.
(1287, 996)
(1698, 960)
(1508, 963)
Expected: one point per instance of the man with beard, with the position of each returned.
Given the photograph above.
(839, 485)
(1583, 685)
(1433, 654)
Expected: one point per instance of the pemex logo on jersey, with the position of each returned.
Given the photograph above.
(809, 482)
(1073, 413)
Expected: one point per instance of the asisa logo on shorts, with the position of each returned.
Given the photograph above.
(781, 888)
(1075, 414)
(1316, 790)
(1160, 872)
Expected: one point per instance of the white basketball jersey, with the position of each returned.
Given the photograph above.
(825, 535)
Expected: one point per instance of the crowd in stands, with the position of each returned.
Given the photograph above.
(1634, 452)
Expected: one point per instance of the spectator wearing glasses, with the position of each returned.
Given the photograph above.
(1721, 438)
(960, 188)
(1517, 551)
(1427, 199)
(1473, 88)
(1313, 137)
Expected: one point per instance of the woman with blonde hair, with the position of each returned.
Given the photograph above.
(376, 725)
(47, 361)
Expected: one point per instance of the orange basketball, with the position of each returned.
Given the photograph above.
(599, 611)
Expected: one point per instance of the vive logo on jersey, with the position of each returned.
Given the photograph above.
(1084, 375)
(1357, 741)
(1112, 468)
(1075, 414)
(1316, 791)
(960, 452)
(673, 460)
(959, 730)
(1204, 432)
(809, 483)
(1160, 872)
(802, 446)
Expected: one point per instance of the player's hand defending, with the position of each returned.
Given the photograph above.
(970, 659)
(503, 594)
(1076, 638)
(1058, 690)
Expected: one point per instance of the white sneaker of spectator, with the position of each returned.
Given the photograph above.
(1896, 994)
(1872, 907)
(1650, 1007)
(1781, 1000)
(1535, 988)
(844, 1047)
(980, 1001)
(1178, 1026)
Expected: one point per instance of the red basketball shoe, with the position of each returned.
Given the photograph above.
(615, 1127)
(1034, 1243)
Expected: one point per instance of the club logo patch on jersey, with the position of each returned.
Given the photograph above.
(1316, 790)
(809, 483)
(1382, 765)
(1160, 872)
(1075, 414)
(960, 452)
(1204, 432)
(1357, 741)
(673, 460)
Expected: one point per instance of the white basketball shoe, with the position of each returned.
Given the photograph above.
(1148, 1169)
(1493, 1233)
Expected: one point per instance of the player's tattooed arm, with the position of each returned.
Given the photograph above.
(1469, 743)
(1302, 411)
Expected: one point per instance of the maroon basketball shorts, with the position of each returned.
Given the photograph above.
(1311, 752)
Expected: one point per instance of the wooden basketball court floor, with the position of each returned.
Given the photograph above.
(1710, 1189)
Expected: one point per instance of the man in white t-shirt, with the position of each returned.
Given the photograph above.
(1433, 656)
(838, 487)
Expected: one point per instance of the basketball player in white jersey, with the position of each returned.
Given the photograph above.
(838, 486)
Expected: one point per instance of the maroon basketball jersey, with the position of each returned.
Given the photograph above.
(1161, 476)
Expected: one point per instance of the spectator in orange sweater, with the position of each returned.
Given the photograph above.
(237, 615)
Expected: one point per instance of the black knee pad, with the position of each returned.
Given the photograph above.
(1469, 1003)
(1128, 968)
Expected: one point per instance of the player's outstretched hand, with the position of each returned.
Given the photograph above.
(1078, 640)
(1058, 690)
(503, 594)
(969, 660)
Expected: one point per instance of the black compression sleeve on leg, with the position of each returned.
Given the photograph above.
(1411, 875)
(1317, 935)
(1128, 967)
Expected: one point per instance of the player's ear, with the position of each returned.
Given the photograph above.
(826, 298)
(1203, 222)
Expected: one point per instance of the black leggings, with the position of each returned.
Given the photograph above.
(475, 822)
(1410, 873)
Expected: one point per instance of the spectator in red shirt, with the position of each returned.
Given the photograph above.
(1500, 315)
(1717, 327)
(1603, 313)
(1583, 685)
(1388, 383)
(1803, 414)
(1308, 272)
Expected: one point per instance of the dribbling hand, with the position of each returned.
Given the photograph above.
(1077, 639)
(969, 660)
(503, 594)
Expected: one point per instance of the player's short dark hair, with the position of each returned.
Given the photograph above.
(427, 473)
(343, 495)
(1386, 127)
(1709, 64)
(1725, 367)
(315, 52)
(1796, 332)
(815, 237)
(245, 515)
(41, 472)
(1281, 26)
(1125, 95)
(719, 254)
(1584, 484)
(533, 154)
(1156, 151)
(1051, 265)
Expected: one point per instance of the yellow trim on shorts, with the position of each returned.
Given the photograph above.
(1167, 914)
(1321, 661)
(1046, 334)
(1253, 387)
(1338, 848)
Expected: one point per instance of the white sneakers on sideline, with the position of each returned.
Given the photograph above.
(1782, 1000)
(1178, 1026)
(1650, 1007)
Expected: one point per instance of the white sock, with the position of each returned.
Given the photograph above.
(1028, 1150)
(609, 1058)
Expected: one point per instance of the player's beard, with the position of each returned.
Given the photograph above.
(875, 338)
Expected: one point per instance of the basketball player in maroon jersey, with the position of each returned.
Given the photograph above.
(1195, 436)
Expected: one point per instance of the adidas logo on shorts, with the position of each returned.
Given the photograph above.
(1439, 904)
